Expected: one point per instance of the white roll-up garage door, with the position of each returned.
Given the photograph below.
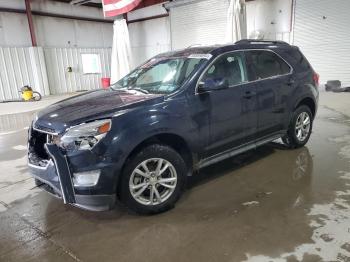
(149, 38)
(198, 22)
(322, 31)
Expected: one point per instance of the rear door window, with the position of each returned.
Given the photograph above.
(266, 64)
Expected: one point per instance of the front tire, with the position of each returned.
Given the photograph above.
(153, 180)
(300, 128)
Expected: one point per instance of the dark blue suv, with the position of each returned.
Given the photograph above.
(180, 111)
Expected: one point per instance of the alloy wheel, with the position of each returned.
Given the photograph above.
(302, 126)
(153, 181)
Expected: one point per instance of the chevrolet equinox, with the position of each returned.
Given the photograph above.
(178, 112)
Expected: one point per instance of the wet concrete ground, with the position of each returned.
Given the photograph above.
(270, 204)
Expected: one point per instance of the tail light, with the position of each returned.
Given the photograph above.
(316, 78)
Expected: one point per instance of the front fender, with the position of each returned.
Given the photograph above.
(132, 128)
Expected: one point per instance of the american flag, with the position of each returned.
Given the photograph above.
(118, 7)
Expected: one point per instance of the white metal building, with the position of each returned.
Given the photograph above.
(60, 45)
(318, 27)
(321, 30)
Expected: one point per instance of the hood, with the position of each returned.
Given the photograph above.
(57, 117)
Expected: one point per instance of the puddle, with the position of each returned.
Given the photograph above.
(303, 208)
(330, 222)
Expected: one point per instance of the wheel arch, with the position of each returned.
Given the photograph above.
(174, 141)
(308, 101)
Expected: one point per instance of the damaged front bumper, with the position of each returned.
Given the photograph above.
(56, 178)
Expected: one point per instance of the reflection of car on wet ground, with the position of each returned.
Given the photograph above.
(261, 198)
(277, 169)
(178, 112)
(271, 177)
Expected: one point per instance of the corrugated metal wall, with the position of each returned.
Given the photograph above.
(149, 38)
(62, 81)
(45, 69)
(322, 32)
(199, 22)
(204, 21)
(19, 67)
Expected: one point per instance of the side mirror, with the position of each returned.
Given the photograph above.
(212, 84)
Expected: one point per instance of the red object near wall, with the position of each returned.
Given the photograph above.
(118, 7)
(106, 82)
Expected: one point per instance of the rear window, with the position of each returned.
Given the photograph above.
(267, 64)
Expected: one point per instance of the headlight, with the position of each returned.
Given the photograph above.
(85, 136)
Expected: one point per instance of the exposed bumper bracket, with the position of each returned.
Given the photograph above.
(63, 173)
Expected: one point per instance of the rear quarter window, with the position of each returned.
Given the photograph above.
(266, 64)
(297, 58)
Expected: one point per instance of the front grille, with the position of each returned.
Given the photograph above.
(37, 141)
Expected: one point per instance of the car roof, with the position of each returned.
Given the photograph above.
(217, 49)
(190, 51)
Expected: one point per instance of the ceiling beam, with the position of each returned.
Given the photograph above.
(146, 3)
(89, 4)
(40, 13)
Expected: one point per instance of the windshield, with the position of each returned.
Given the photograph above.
(162, 75)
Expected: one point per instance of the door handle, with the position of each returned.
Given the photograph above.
(249, 94)
(290, 82)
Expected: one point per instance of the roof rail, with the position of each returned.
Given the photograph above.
(256, 41)
(194, 45)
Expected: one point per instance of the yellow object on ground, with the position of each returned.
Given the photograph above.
(27, 95)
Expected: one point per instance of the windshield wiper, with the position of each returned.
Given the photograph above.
(121, 88)
(115, 87)
(139, 89)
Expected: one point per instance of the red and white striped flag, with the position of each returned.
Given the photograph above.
(118, 7)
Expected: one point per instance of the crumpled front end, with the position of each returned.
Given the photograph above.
(49, 164)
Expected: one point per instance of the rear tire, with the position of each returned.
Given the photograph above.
(300, 128)
(153, 180)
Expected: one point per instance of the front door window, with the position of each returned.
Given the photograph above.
(229, 67)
